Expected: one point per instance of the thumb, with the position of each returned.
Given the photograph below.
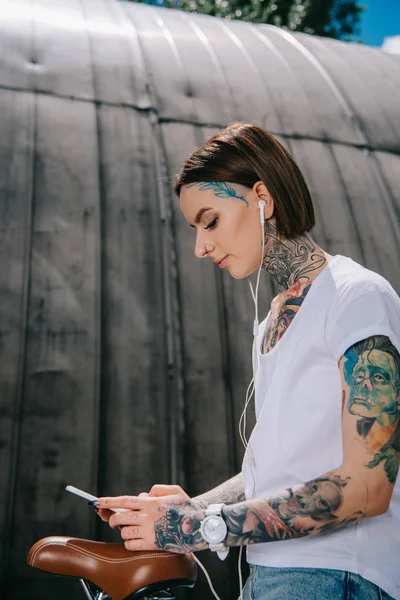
(164, 490)
(171, 499)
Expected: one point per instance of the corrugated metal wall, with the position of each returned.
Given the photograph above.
(123, 360)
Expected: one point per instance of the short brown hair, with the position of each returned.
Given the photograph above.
(245, 153)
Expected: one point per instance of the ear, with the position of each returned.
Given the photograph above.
(261, 193)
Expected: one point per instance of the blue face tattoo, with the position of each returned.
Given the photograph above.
(220, 189)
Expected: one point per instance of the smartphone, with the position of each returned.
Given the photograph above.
(90, 497)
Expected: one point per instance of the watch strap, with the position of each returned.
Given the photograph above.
(220, 549)
(214, 509)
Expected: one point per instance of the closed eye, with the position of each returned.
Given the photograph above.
(212, 224)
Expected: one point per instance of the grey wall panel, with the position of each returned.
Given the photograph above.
(118, 70)
(60, 49)
(249, 91)
(17, 126)
(170, 82)
(337, 226)
(135, 443)
(389, 167)
(372, 211)
(225, 107)
(180, 93)
(387, 66)
(60, 392)
(325, 102)
(283, 92)
(208, 100)
(17, 70)
(373, 98)
(204, 382)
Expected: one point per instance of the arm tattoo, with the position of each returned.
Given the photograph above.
(220, 189)
(305, 510)
(230, 492)
(372, 372)
(179, 528)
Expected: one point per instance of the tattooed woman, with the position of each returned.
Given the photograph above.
(319, 477)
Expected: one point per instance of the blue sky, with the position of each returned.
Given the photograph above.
(381, 18)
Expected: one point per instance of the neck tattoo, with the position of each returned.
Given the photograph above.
(290, 260)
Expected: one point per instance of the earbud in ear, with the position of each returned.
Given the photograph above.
(261, 205)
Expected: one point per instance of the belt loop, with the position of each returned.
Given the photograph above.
(347, 590)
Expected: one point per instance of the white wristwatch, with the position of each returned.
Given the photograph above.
(214, 530)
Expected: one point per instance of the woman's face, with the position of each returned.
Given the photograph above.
(227, 220)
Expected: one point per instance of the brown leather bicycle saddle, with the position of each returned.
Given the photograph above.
(111, 567)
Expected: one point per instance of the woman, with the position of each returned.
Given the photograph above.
(324, 454)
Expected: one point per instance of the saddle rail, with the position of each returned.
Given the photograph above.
(116, 571)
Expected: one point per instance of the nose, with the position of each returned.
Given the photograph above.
(202, 246)
(368, 384)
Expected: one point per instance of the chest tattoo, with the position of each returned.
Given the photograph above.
(283, 315)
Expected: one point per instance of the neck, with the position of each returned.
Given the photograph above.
(291, 260)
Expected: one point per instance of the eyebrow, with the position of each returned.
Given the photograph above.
(200, 214)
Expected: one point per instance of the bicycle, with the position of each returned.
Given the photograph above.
(114, 572)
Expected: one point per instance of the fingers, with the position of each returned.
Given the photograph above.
(131, 533)
(139, 545)
(104, 514)
(134, 503)
(128, 518)
(131, 502)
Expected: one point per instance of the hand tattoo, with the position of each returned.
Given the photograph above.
(178, 530)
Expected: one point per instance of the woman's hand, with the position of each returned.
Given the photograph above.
(173, 494)
(156, 523)
(103, 513)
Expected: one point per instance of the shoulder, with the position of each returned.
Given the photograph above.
(350, 281)
(362, 304)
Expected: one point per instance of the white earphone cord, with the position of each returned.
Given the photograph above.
(250, 390)
(202, 567)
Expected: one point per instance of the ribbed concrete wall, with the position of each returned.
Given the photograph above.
(123, 360)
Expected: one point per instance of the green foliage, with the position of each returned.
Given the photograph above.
(333, 18)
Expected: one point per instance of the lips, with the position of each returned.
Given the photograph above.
(222, 262)
(365, 401)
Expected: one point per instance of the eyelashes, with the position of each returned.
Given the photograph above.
(212, 224)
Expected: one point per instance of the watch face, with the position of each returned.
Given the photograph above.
(214, 530)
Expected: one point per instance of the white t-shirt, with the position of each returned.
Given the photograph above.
(297, 436)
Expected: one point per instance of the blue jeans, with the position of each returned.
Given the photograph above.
(276, 583)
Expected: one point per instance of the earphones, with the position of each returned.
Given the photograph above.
(251, 388)
(261, 204)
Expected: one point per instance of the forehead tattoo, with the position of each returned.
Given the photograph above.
(220, 189)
